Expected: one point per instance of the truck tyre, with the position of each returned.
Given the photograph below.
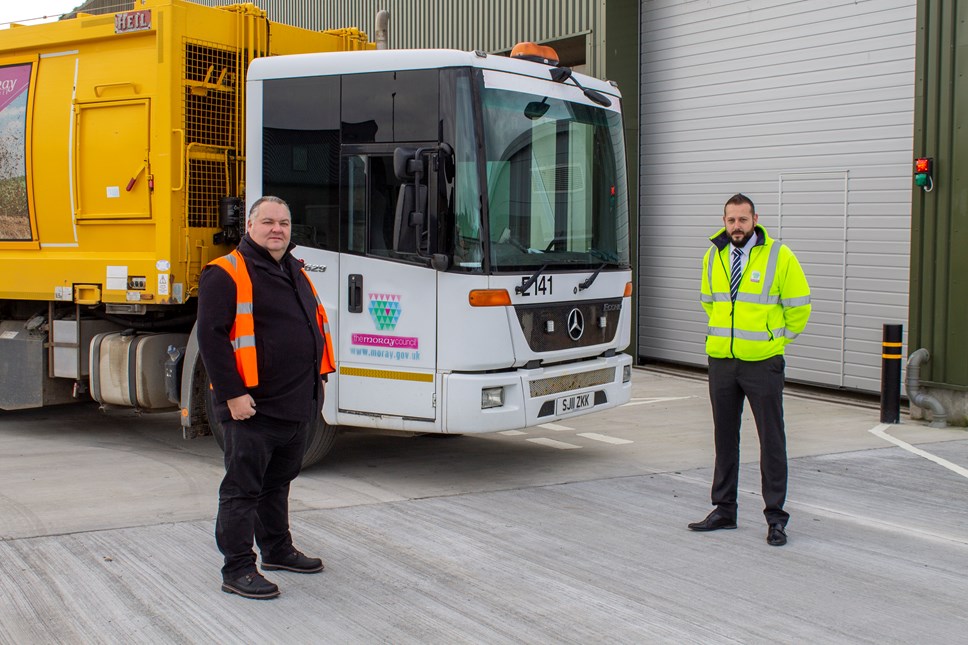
(321, 435)
(321, 438)
(214, 424)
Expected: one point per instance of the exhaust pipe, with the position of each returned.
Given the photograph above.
(382, 38)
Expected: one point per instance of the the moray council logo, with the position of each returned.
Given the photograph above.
(385, 310)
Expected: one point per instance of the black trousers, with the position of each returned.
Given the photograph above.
(761, 383)
(262, 457)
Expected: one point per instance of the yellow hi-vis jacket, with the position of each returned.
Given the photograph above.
(242, 334)
(772, 306)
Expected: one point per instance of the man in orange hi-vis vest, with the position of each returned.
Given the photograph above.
(264, 339)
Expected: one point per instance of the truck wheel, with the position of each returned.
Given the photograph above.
(213, 421)
(321, 437)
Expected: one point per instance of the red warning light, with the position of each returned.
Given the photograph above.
(922, 173)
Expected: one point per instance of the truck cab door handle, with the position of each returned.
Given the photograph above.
(355, 299)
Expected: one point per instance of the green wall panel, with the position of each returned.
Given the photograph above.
(939, 231)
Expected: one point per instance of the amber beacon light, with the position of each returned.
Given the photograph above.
(535, 53)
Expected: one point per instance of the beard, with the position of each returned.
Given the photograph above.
(742, 241)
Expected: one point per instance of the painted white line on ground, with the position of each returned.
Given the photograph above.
(603, 437)
(879, 431)
(561, 445)
(851, 517)
(554, 426)
(512, 433)
(658, 399)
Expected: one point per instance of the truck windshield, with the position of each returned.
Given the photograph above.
(556, 183)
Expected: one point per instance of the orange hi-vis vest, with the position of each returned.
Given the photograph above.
(242, 334)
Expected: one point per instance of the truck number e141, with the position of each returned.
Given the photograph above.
(540, 286)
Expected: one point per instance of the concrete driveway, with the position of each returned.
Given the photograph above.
(568, 533)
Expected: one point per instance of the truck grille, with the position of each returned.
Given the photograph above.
(569, 382)
(534, 319)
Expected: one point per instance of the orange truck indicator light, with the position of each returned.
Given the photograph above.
(489, 298)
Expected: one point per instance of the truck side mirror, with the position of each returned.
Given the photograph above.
(446, 156)
(407, 165)
(536, 109)
(410, 220)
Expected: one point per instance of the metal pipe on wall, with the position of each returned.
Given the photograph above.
(939, 418)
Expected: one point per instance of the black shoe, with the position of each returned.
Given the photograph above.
(295, 561)
(713, 522)
(251, 585)
(776, 536)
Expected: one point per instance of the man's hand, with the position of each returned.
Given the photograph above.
(241, 407)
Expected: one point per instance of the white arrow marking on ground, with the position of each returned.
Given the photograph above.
(658, 399)
(878, 431)
(512, 433)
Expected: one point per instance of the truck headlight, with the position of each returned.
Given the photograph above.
(492, 397)
(626, 373)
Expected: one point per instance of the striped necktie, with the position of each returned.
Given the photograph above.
(735, 274)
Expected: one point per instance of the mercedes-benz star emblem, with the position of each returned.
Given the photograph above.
(576, 324)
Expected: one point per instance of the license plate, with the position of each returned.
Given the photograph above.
(573, 403)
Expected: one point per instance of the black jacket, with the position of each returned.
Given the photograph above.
(288, 342)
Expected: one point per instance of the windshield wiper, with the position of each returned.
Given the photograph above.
(587, 283)
(524, 286)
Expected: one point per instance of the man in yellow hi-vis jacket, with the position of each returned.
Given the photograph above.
(757, 300)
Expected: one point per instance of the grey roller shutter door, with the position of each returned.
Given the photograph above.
(808, 108)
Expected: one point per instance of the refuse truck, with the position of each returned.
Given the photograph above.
(463, 216)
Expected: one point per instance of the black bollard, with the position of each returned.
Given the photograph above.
(891, 374)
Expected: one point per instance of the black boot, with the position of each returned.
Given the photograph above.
(251, 585)
(295, 561)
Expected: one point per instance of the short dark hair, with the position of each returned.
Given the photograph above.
(267, 198)
(740, 198)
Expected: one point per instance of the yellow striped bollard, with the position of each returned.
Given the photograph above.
(891, 374)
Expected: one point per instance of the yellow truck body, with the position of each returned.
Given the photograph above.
(119, 136)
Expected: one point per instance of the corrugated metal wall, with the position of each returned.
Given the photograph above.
(100, 7)
(488, 25)
(807, 107)
(939, 313)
